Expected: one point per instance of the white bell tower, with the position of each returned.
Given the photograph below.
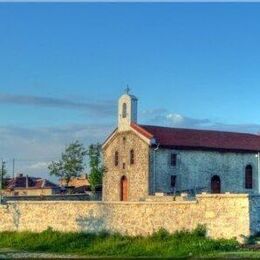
(127, 111)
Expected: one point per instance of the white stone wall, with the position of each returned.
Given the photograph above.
(195, 169)
(225, 215)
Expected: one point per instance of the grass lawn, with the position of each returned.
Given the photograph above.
(160, 244)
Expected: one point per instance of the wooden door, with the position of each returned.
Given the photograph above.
(215, 184)
(124, 189)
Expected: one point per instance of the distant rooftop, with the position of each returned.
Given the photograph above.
(29, 182)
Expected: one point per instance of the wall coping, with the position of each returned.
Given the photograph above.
(223, 195)
(198, 197)
(102, 202)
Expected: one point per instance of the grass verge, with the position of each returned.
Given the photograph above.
(160, 244)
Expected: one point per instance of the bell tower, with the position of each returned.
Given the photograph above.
(127, 110)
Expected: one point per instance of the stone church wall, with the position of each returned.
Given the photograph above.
(254, 214)
(225, 215)
(194, 169)
(137, 173)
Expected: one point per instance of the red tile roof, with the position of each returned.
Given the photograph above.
(200, 139)
(35, 183)
(141, 130)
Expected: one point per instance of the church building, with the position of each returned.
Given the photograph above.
(145, 160)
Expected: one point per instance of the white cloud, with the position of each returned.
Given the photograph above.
(175, 118)
(101, 107)
(39, 166)
(34, 148)
(171, 119)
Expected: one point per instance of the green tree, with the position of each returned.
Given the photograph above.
(3, 174)
(96, 167)
(71, 163)
(3, 170)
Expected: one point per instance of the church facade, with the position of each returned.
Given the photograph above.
(142, 161)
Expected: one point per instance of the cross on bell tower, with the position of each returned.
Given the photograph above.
(127, 90)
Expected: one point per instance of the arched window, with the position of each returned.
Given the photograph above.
(215, 184)
(116, 158)
(249, 177)
(124, 110)
(132, 157)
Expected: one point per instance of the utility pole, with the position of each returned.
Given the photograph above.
(13, 166)
(1, 181)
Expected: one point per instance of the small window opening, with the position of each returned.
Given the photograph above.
(124, 110)
(132, 157)
(173, 159)
(116, 158)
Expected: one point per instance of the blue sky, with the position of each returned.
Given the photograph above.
(63, 66)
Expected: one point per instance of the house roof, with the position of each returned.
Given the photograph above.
(200, 139)
(76, 181)
(29, 182)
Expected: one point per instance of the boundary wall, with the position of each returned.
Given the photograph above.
(225, 215)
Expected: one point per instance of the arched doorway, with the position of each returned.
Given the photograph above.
(215, 184)
(123, 189)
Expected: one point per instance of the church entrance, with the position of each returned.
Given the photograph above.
(123, 189)
(215, 184)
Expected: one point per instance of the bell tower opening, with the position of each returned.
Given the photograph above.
(127, 111)
(124, 110)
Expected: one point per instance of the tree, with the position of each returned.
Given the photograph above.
(3, 170)
(3, 174)
(71, 163)
(96, 166)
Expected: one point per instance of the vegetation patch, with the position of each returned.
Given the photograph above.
(161, 243)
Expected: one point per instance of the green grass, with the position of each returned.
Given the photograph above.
(161, 243)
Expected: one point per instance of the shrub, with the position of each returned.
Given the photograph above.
(161, 234)
(160, 244)
(251, 240)
(48, 230)
(200, 231)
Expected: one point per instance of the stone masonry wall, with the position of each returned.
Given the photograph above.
(137, 173)
(254, 204)
(225, 215)
(194, 169)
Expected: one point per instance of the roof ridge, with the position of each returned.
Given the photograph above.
(200, 130)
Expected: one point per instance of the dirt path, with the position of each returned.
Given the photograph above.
(12, 254)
